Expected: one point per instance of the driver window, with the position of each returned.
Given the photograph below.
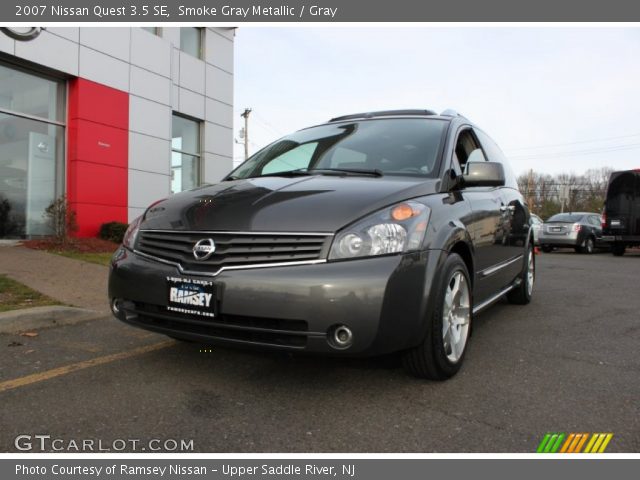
(467, 150)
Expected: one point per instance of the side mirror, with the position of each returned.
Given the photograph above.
(483, 174)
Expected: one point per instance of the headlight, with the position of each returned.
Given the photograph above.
(400, 228)
(129, 239)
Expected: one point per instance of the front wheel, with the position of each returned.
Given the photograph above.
(521, 295)
(441, 353)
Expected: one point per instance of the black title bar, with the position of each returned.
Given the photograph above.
(200, 11)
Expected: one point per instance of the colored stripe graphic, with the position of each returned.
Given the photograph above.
(554, 442)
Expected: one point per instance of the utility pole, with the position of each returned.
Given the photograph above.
(245, 115)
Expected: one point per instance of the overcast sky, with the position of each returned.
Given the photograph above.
(554, 99)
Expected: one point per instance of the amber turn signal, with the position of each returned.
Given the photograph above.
(403, 212)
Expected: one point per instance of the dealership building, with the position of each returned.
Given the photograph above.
(112, 118)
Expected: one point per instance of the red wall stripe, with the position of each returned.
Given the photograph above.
(97, 154)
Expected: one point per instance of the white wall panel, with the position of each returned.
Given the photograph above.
(218, 139)
(219, 85)
(135, 213)
(7, 44)
(150, 85)
(191, 104)
(150, 154)
(104, 69)
(50, 51)
(146, 188)
(112, 41)
(192, 72)
(70, 33)
(150, 52)
(219, 51)
(220, 113)
(216, 167)
(149, 117)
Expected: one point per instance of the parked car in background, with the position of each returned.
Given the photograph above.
(621, 216)
(580, 230)
(373, 233)
(536, 228)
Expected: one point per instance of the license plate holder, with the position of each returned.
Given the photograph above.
(191, 296)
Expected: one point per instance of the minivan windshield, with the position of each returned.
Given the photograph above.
(408, 146)
(565, 217)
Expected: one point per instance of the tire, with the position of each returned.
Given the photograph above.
(589, 246)
(521, 295)
(547, 248)
(618, 249)
(440, 356)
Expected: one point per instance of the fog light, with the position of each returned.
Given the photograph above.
(340, 336)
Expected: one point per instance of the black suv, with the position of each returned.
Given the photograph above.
(621, 216)
(373, 233)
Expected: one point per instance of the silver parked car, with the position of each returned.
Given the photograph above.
(580, 230)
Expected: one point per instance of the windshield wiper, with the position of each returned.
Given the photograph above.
(349, 171)
(298, 172)
(303, 172)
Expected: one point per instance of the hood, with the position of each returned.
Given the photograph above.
(279, 204)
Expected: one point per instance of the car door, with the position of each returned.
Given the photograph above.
(513, 225)
(484, 221)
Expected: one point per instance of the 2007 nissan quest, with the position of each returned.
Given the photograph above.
(373, 233)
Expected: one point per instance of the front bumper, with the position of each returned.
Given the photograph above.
(383, 300)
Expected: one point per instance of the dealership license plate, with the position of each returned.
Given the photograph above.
(191, 296)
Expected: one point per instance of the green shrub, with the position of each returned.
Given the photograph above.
(113, 231)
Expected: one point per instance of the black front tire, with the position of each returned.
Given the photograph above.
(618, 249)
(521, 295)
(429, 359)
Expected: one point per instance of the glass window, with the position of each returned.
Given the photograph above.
(395, 147)
(32, 109)
(191, 41)
(30, 174)
(31, 95)
(153, 30)
(292, 160)
(185, 154)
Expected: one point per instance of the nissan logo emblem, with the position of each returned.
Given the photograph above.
(204, 248)
(23, 34)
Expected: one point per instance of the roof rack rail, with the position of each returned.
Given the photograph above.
(450, 112)
(385, 113)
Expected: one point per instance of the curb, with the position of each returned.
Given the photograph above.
(37, 318)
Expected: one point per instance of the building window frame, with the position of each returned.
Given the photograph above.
(198, 155)
(201, 40)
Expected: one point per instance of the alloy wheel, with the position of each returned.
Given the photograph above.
(456, 316)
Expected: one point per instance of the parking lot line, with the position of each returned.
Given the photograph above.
(74, 367)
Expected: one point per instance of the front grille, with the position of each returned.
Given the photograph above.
(232, 249)
(236, 328)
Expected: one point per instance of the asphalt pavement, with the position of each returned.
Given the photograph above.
(568, 362)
